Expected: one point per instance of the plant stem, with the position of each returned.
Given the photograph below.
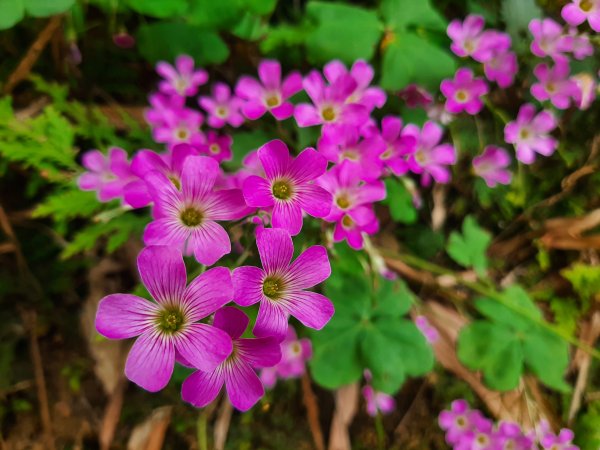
(201, 426)
(380, 432)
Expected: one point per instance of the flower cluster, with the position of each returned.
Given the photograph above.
(376, 402)
(468, 429)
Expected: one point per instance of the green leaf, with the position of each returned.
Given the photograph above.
(409, 344)
(68, 204)
(160, 8)
(44, 8)
(393, 299)
(260, 7)
(342, 32)
(11, 12)
(469, 248)
(165, 41)
(400, 201)
(245, 142)
(518, 310)
(587, 429)
(409, 58)
(547, 356)
(517, 14)
(213, 14)
(400, 14)
(381, 358)
(585, 279)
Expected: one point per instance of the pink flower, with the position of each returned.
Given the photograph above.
(145, 161)
(330, 103)
(464, 92)
(457, 422)
(469, 39)
(502, 68)
(561, 442)
(168, 328)
(162, 105)
(243, 386)
(529, 133)
(271, 95)
(280, 286)
(399, 145)
(186, 217)
(554, 83)
(429, 331)
(509, 435)
(415, 96)
(362, 73)
(548, 38)
(491, 166)
(107, 174)
(378, 402)
(217, 147)
(578, 11)
(581, 47)
(288, 186)
(182, 79)
(480, 436)
(352, 197)
(294, 354)
(346, 144)
(430, 158)
(222, 107)
(179, 126)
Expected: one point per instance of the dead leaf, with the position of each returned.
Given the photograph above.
(150, 434)
(346, 405)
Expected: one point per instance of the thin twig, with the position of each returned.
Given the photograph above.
(312, 412)
(222, 424)
(111, 416)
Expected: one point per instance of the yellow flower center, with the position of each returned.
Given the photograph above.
(221, 112)
(282, 190)
(214, 148)
(347, 222)
(461, 96)
(273, 101)
(182, 134)
(342, 201)
(328, 114)
(273, 287)
(586, 5)
(170, 320)
(173, 179)
(191, 217)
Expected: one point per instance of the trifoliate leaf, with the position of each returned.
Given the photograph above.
(469, 248)
(400, 201)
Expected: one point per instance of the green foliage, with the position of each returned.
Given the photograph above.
(159, 8)
(517, 14)
(587, 430)
(341, 31)
(585, 279)
(469, 248)
(410, 53)
(399, 201)
(66, 204)
(510, 340)
(12, 11)
(368, 330)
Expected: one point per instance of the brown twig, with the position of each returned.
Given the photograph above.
(24, 68)
(312, 412)
(346, 405)
(111, 416)
(222, 424)
(30, 322)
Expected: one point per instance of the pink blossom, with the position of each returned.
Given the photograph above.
(168, 328)
(430, 157)
(458, 421)
(464, 92)
(346, 144)
(492, 165)
(288, 186)
(469, 39)
(182, 79)
(161, 105)
(554, 83)
(271, 95)
(294, 354)
(582, 47)
(186, 218)
(330, 103)
(398, 145)
(280, 286)
(480, 436)
(529, 133)
(429, 331)
(362, 73)
(216, 146)
(179, 126)
(502, 68)
(378, 402)
(548, 38)
(563, 441)
(237, 372)
(578, 11)
(169, 164)
(107, 174)
(222, 108)
(510, 436)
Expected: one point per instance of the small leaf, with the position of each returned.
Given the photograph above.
(469, 248)
(159, 8)
(585, 279)
(45, 8)
(547, 356)
(400, 14)
(393, 299)
(400, 202)
(11, 12)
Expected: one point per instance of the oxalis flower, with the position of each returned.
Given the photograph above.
(168, 327)
(280, 286)
(530, 133)
(294, 355)
(243, 386)
(492, 165)
(182, 79)
(554, 83)
(288, 186)
(222, 108)
(464, 92)
(107, 174)
(185, 216)
(578, 11)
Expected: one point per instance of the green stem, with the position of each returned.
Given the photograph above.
(201, 427)
(482, 289)
(497, 112)
(380, 432)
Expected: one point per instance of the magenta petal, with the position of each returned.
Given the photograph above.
(232, 321)
(208, 292)
(269, 72)
(163, 273)
(227, 204)
(275, 158)
(209, 243)
(248, 88)
(308, 166)
(272, 320)
(291, 85)
(121, 316)
(247, 285)
(275, 248)
(199, 176)
(260, 352)
(243, 386)
(309, 269)
(314, 200)
(136, 194)
(203, 346)
(307, 115)
(93, 160)
(150, 361)
(201, 388)
(287, 215)
(311, 309)
(165, 232)
(254, 109)
(257, 192)
(283, 111)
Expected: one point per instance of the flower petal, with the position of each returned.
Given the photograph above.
(203, 346)
(209, 243)
(243, 386)
(201, 388)
(166, 232)
(162, 271)
(275, 248)
(247, 285)
(311, 309)
(260, 352)
(272, 320)
(199, 176)
(307, 115)
(121, 316)
(228, 204)
(309, 269)
(232, 321)
(257, 192)
(308, 166)
(314, 200)
(287, 215)
(150, 361)
(208, 292)
(275, 158)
